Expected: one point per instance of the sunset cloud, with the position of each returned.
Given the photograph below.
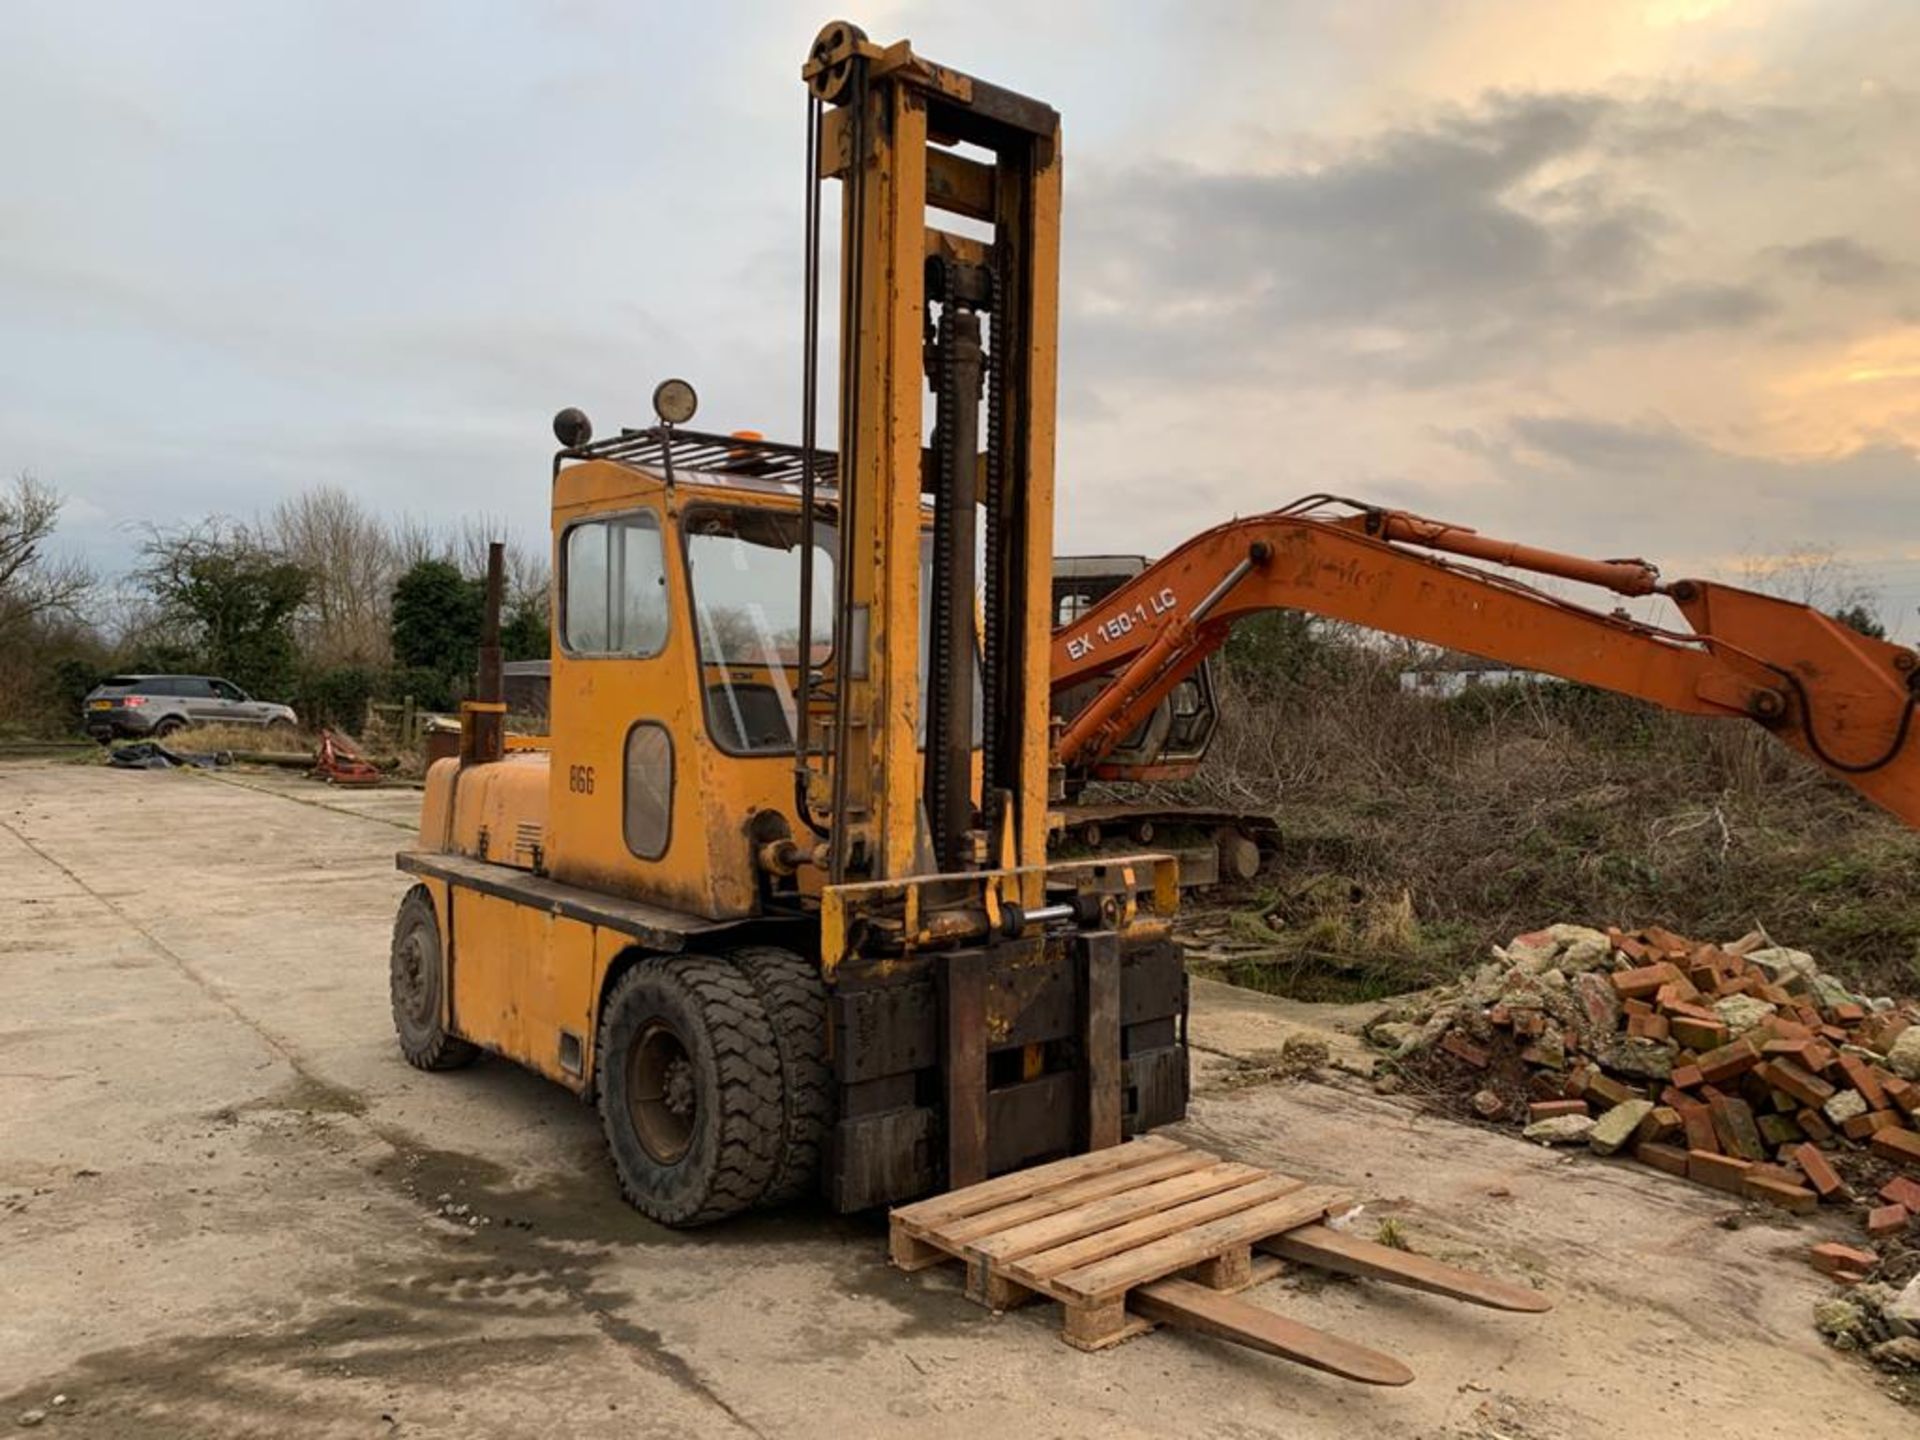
(1618, 277)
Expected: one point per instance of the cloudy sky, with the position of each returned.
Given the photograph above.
(1619, 276)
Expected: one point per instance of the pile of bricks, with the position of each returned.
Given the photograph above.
(1737, 1066)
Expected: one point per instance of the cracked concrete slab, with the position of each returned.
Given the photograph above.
(227, 1208)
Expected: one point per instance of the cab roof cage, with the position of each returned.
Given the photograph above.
(705, 453)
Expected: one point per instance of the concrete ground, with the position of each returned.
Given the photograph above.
(227, 1208)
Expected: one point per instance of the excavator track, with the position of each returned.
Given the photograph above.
(1213, 846)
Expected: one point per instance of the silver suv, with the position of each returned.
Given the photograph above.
(161, 704)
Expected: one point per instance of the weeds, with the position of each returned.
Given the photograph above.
(1417, 836)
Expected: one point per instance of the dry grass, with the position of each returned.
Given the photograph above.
(1417, 832)
(278, 741)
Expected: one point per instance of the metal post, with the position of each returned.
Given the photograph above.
(483, 720)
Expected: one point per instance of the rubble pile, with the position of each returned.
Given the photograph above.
(1739, 1066)
(1875, 1319)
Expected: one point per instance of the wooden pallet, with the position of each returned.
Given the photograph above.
(1153, 1232)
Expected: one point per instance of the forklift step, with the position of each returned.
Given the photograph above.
(1153, 1232)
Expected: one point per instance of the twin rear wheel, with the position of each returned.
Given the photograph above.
(713, 1083)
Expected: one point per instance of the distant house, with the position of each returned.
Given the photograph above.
(1454, 673)
(528, 684)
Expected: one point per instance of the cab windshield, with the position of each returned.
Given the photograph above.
(744, 567)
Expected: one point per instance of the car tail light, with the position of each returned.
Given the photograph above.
(133, 701)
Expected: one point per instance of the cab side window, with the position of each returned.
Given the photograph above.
(614, 587)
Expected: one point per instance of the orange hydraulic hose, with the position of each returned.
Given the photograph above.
(1625, 577)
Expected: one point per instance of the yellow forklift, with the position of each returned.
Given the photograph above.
(777, 897)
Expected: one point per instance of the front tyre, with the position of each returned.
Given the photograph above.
(795, 997)
(689, 1090)
(416, 975)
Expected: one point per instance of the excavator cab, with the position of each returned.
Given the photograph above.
(1171, 741)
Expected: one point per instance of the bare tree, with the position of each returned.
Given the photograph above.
(34, 585)
(529, 571)
(1814, 575)
(352, 559)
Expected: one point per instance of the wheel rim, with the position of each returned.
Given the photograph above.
(416, 977)
(661, 1093)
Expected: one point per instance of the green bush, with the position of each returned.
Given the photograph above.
(338, 698)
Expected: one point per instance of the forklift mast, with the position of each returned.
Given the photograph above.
(1057, 996)
(975, 320)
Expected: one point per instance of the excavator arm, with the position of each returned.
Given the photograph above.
(1843, 699)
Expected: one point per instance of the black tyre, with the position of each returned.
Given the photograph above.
(795, 998)
(168, 726)
(416, 975)
(689, 1088)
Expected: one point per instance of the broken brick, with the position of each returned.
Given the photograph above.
(1785, 1075)
(1728, 1061)
(1722, 1172)
(1461, 1048)
(1644, 981)
(1815, 1124)
(1834, 1258)
(1902, 1191)
(1788, 1196)
(1697, 1120)
(1670, 1158)
(1629, 946)
(1675, 1009)
(1698, 1034)
(1667, 943)
(1900, 1146)
(1860, 1075)
(1647, 1027)
(1849, 1013)
(1903, 1093)
(1859, 1127)
(1686, 1077)
(1885, 1220)
(1821, 1175)
(1662, 1122)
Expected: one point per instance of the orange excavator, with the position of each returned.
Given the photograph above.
(1136, 648)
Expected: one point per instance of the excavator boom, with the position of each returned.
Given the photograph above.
(1844, 699)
